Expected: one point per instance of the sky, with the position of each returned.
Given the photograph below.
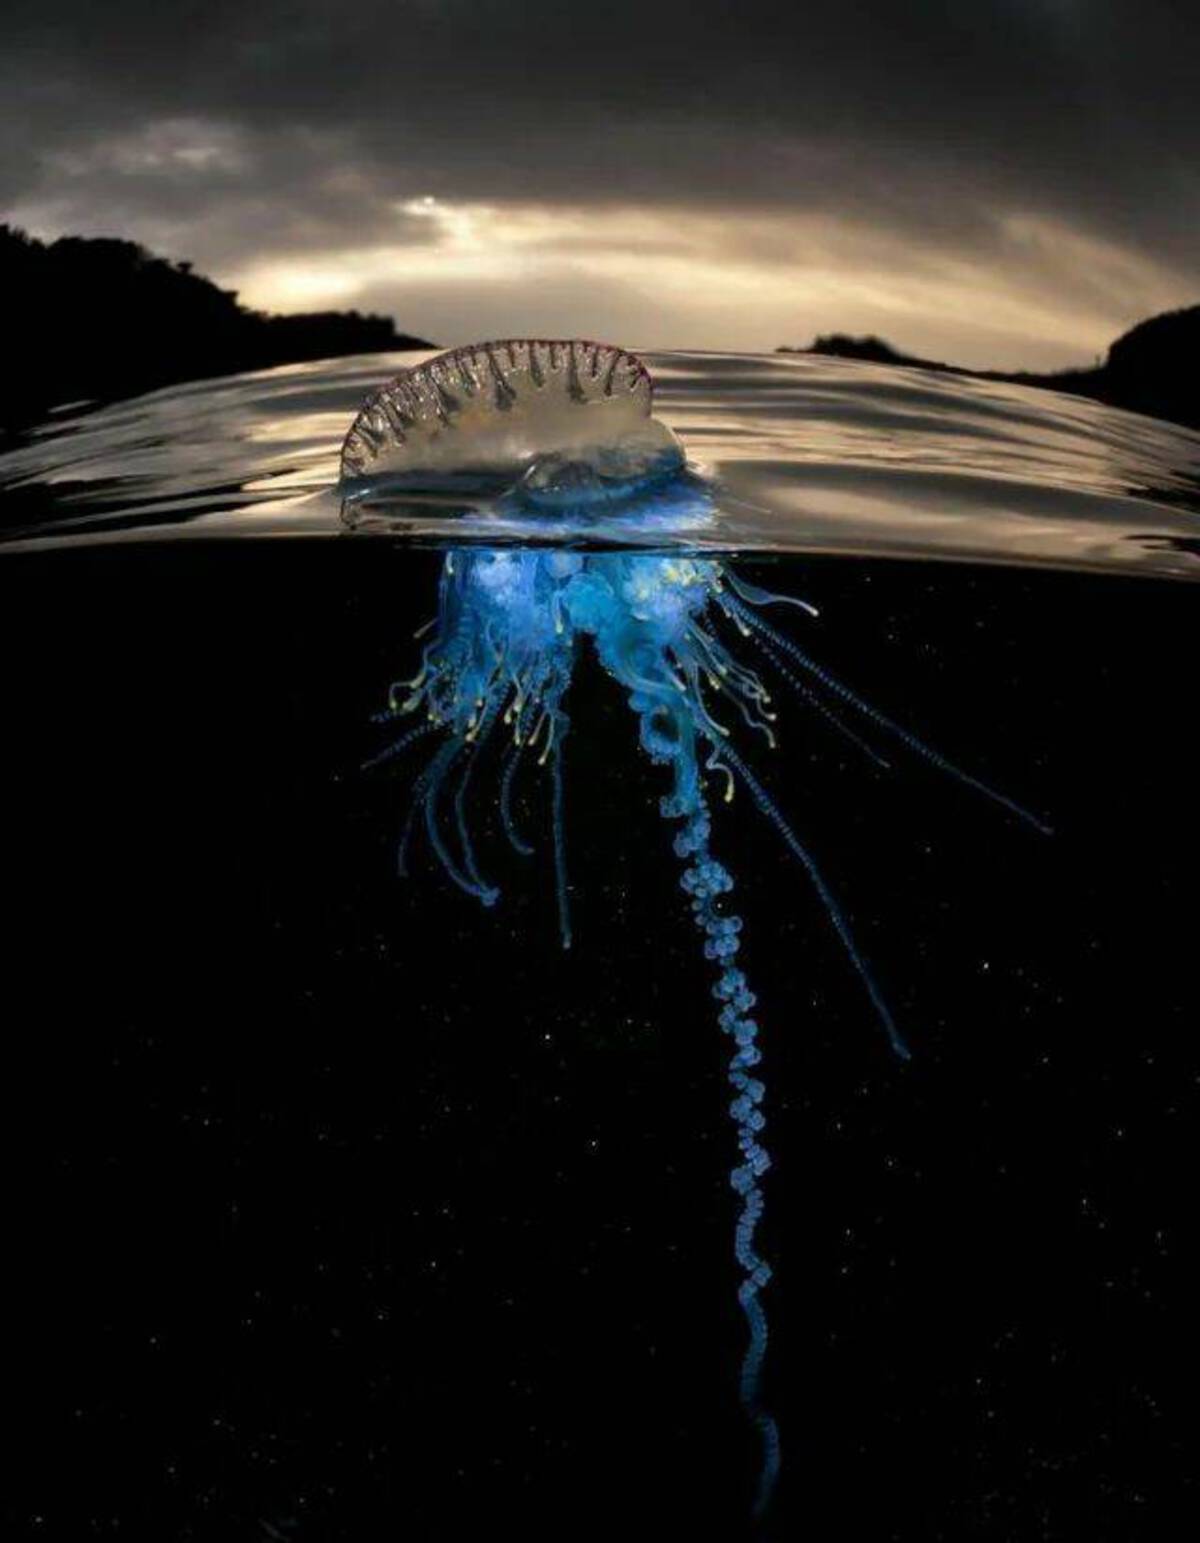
(998, 183)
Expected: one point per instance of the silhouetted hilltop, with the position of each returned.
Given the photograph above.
(841, 345)
(1156, 365)
(1153, 368)
(104, 318)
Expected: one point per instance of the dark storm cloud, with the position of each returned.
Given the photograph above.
(309, 123)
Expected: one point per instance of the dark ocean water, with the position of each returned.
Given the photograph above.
(341, 1208)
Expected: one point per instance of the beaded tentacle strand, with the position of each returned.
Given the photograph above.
(705, 880)
(668, 720)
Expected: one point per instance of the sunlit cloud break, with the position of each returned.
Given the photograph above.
(998, 185)
(763, 280)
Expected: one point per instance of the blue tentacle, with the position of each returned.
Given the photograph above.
(806, 694)
(410, 819)
(704, 879)
(482, 732)
(767, 805)
(560, 841)
(397, 746)
(438, 768)
(759, 596)
(831, 683)
(512, 757)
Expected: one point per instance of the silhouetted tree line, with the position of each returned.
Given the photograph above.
(1153, 368)
(87, 318)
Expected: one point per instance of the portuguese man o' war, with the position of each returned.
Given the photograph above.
(554, 430)
(544, 414)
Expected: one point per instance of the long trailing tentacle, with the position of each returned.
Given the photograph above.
(807, 695)
(706, 880)
(560, 842)
(669, 728)
(397, 746)
(482, 730)
(512, 757)
(414, 808)
(440, 765)
(725, 752)
(756, 623)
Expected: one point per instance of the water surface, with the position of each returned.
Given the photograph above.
(807, 455)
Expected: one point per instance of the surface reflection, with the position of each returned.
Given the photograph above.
(802, 453)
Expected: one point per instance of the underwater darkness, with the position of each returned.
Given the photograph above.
(342, 1208)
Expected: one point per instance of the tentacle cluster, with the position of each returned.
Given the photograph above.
(501, 654)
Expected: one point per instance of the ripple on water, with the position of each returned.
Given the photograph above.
(791, 454)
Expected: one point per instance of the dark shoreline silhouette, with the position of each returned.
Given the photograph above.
(100, 319)
(1154, 368)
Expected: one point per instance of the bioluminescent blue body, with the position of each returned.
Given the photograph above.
(512, 623)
